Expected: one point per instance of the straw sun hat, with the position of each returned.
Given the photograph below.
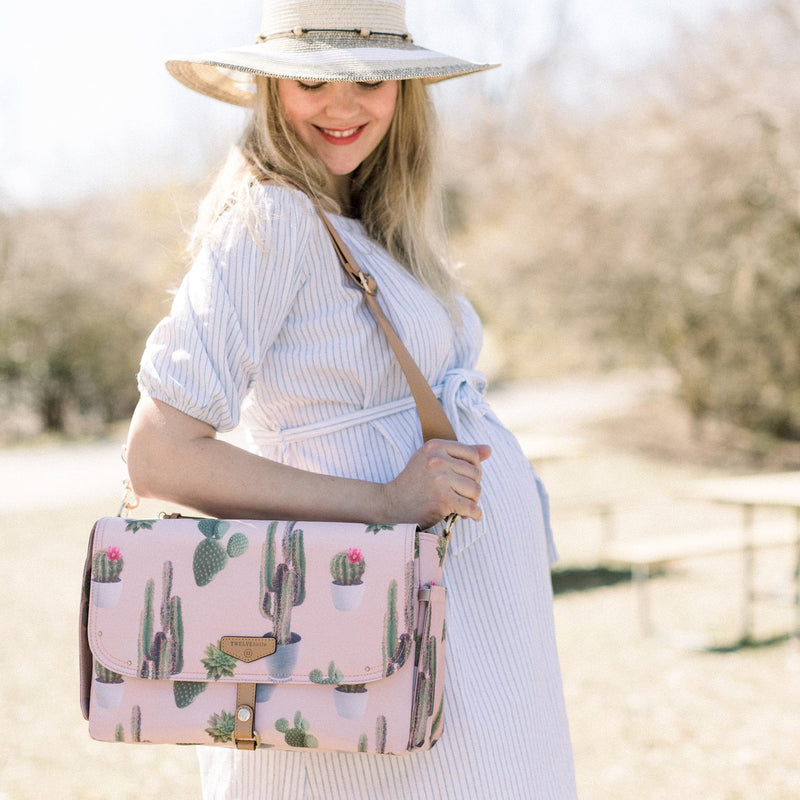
(320, 40)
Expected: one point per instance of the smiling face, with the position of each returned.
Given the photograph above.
(340, 122)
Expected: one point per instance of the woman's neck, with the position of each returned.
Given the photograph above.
(341, 186)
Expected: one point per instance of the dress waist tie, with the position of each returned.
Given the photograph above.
(460, 392)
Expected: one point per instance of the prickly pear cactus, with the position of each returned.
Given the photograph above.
(298, 736)
(210, 557)
(237, 545)
(185, 692)
(333, 678)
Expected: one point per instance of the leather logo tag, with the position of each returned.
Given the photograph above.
(248, 648)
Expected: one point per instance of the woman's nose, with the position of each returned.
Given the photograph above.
(342, 99)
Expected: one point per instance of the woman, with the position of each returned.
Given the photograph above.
(266, 331)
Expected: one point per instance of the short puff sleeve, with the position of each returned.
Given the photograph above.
(203, 358)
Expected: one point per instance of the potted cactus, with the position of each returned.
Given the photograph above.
(351, 700)
(106, 582)
(108, 686)
(282, 588)
(347, 588)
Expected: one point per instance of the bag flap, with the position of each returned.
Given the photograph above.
(338, 599)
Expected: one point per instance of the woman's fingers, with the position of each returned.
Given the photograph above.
(441, 478)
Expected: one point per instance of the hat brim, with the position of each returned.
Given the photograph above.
(227, 74)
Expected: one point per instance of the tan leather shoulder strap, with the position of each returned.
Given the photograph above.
(434, 421)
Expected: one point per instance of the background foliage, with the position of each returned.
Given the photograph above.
(661, 228)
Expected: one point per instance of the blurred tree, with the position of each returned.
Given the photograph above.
(80, 288)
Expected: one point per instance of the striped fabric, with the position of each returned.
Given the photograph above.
(273, 336)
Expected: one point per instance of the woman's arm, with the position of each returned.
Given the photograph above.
(175, 457)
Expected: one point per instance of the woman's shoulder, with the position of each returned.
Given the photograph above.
(265, 214)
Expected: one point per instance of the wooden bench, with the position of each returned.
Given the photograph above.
(644, 556)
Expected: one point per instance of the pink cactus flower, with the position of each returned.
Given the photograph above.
(113, 554)
(354, 555)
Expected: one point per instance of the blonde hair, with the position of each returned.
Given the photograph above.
(394, 192)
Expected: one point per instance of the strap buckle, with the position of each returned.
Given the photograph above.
(366, 282)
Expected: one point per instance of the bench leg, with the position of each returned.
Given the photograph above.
(641, 578)
(748, 573)
(796, 578)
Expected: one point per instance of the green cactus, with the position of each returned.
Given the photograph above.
(348, 567)
(209, 556)
(362, 743)
(161, 652)
(105, 675)
(107, 565)
(425, 689)
(333, 678)
(185, 692)
(378, 528)
(298, 736)
(352, 688)
(137, 524)
(213, 529)
(380, 734)
(136, 724)
(119, 734)
(217, 663)
(441, 549)
(282, 586)
(237, 545)
(396, 648)
(220, 727)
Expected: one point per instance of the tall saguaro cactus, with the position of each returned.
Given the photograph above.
(396, 647)
(425, 689)
(283, 586)
(161, 652)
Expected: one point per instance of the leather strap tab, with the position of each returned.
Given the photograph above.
(244, 734)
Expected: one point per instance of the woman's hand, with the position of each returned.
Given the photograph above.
(442, 477)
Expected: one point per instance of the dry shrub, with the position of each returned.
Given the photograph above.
(672, 225)
(80, 288)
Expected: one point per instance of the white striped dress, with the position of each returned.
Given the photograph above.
(267, 329)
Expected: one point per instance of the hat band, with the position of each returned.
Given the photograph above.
(363, 32)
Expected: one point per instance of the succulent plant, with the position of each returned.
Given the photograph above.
(347, 567)
(377, 528)
(362, 743)
(297, 736)
(107, 565)
(220, 726)
(139, 524)
(217, 663)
